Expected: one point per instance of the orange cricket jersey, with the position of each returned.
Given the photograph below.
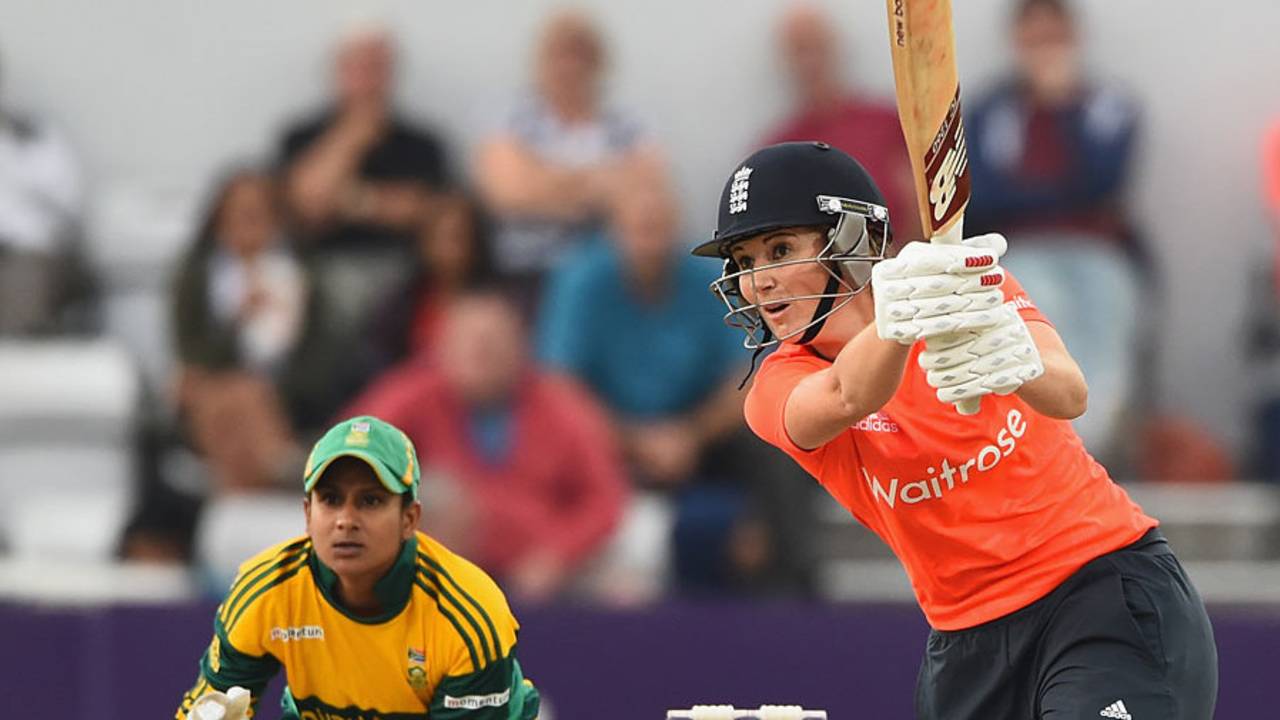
(988, 512)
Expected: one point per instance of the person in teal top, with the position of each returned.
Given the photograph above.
(632, 317)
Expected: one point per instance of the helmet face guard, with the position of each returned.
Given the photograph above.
(858, 239)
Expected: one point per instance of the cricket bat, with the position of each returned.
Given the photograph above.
(923, 45)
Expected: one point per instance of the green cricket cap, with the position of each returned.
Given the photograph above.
(379, 444)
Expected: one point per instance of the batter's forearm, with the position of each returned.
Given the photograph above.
(1061, 392)
(865, 375)
(868, 371)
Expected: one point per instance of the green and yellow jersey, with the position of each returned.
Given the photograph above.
(445, 647)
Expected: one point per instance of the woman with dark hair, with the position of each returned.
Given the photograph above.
(453, 255)
(240, 307)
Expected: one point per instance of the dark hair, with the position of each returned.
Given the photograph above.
(480, 269)
(492, 289)
(1061, 8)
(206, 235)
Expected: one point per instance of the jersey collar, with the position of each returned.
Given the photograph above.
(392, 590)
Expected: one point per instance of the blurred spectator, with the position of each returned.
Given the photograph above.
(520, 470)
(239, 317)
(548, 170)
(1050, 152)
(1271, 182)
(825, 109)
(634, 321)
(358, 173)
(452, 256)
(1264, 325)
(360, 180)
(40, 212)
(1179, 450)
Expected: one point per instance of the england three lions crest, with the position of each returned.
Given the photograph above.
(738, 190)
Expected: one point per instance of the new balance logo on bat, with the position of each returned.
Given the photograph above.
(1116, 711)
(946, 182)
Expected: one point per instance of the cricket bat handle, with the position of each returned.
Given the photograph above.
(952, 236)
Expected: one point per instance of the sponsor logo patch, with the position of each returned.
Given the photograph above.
(947, 477)
(475, 702)
(877, 422)
(1116, 711)
(302, 632)
(1022, 302)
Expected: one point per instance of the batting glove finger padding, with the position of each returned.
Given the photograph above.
(952, 350)
(908, 331)
(999, 360)
(1003, 383)
(973, 256)
(899, 310)
(931, 289)
(926, 286)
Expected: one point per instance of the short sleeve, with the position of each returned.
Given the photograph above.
(767, 401)
(1014, 293)
(475, 674)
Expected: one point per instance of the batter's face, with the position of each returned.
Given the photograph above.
(356, 525)
(771, 287)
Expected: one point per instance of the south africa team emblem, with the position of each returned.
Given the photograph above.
(417, 671)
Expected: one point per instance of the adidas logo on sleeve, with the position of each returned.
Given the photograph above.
(1116, 711)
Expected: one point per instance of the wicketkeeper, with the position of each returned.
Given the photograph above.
(367, 616)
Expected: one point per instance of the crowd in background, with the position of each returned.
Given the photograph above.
(529, 315)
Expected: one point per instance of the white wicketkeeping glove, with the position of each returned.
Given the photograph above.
(998, 359)
(231, 705)
(931, 289)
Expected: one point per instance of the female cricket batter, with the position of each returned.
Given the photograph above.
(368, 617)
(1050, 594)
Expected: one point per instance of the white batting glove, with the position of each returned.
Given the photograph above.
(231, 705)
(932, 289)
(998, 359)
